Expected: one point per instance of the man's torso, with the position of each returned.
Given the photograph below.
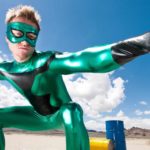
(44, 89)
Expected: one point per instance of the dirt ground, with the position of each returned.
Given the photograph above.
(42, 142)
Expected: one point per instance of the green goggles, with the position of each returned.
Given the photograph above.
(18, 32)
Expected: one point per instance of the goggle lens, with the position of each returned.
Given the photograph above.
(19, 34)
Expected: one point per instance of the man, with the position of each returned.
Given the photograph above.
(38, 77)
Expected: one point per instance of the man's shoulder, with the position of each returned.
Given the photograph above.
(43, 55)
(5, 65)
(40, 58)
(47, 53)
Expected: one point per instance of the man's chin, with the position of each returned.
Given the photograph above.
(23, 56)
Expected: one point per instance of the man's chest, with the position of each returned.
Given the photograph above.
(35, 86)
(30, 82)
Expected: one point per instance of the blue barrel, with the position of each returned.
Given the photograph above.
(115, 132)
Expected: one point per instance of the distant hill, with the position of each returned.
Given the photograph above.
(133, 132)
(46, 132)
(137, 132)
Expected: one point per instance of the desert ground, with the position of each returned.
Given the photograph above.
(16, 141)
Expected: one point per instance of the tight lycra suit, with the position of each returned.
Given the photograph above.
(40, 80)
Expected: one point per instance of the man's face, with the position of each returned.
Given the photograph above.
(21, 38)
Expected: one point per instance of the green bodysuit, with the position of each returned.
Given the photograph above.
(40, 80)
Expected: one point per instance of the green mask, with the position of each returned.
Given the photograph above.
(18, 32)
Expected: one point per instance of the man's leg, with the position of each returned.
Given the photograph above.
(69, 116)
(2, 140)
(76, 133)
(26, 118)
(23, 117)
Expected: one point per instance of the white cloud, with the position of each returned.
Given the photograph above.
(120, 114)
(96, 93)
(10, 97)
(3, 57)
(147, 112)
(129, 122)
(94, 125)
(143, 102)
(138, 112)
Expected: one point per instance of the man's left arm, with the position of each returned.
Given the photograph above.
(101, 58)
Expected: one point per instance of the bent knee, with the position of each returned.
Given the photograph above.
(71, 109)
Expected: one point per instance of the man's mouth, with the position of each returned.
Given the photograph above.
(24, 48)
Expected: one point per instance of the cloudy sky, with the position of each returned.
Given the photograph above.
(69, 25)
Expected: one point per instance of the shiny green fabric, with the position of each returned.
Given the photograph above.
(95, 59)
(25, 29)
(2, 140)
(69, 118)
(70, 115)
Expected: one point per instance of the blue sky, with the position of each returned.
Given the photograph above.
(73, 25)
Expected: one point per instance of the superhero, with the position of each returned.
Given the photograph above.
(38, 77)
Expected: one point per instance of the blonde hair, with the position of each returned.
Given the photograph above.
(24, 11)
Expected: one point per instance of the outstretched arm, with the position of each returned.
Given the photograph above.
(101, 58)
(1, 77)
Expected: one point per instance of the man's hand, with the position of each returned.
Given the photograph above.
(129, 49)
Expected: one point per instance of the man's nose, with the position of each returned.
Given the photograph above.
(25, 43)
